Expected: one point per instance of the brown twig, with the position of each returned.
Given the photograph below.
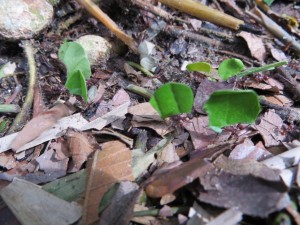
(244, 58)
(290, 84)
(154, 9)
(174, 31)
(93, 9)
(274, 29)
(285, 113)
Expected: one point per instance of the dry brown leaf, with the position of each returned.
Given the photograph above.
(80, 146)
(120, 98)
(160, 128)
(37, 125)
(110, 165)
(247, 150)
(255, 45)
(280, 100)
(7, 160)
(276, 53)
(270, 128)
(61, 149)
(201, 134)
(144, 112)
(49, 164)
(249, 194)
(205, 89)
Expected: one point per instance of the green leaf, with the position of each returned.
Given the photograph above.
(230, 67)
(268, 2)
(199, 66)
(172, 99)
(106, 199)
(228, 107)
(76, 84)
(74, 57)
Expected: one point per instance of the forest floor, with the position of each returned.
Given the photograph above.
(113, 160)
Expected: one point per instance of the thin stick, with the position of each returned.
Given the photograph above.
(93, 9)
(21, 117)
(174, 31)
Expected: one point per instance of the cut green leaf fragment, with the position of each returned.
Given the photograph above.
(74, 57)
(172, 99)
(76, 84)
(268, 2)
(230, 67)
(228, 107)
(199, 66)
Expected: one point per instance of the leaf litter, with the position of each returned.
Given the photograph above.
(122, 154)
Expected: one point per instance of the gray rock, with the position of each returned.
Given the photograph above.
(21, 19)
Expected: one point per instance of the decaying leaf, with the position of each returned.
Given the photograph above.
(80, 146)
(141, 160)
(39, 124)
(34, 206)
(49, 164)
(247, 150)
(7, 160)
(121, 205)
(270, 128)
(144, 112)
(252, 189)
(110, 165)
(75, 121)
(255, 45)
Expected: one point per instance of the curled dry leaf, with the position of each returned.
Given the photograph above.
(255, 45)
(80, 146)
(39, 124)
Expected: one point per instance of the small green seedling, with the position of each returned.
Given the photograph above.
(78, 67)
(172, 99)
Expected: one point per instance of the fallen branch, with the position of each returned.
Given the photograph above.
(93, 9)
(285, 113)
(204, 12)
(177, 32)
(290, 84)
(21, 117)
(274, 29)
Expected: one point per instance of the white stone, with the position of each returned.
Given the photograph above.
(21, 19)
(97, 48)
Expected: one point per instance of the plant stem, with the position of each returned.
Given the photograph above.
(139, 67)
(262, 68)
(21, 117)
(140, 91)
(9, 108)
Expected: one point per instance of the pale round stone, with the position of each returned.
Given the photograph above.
(22, 19)
(97, 48)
